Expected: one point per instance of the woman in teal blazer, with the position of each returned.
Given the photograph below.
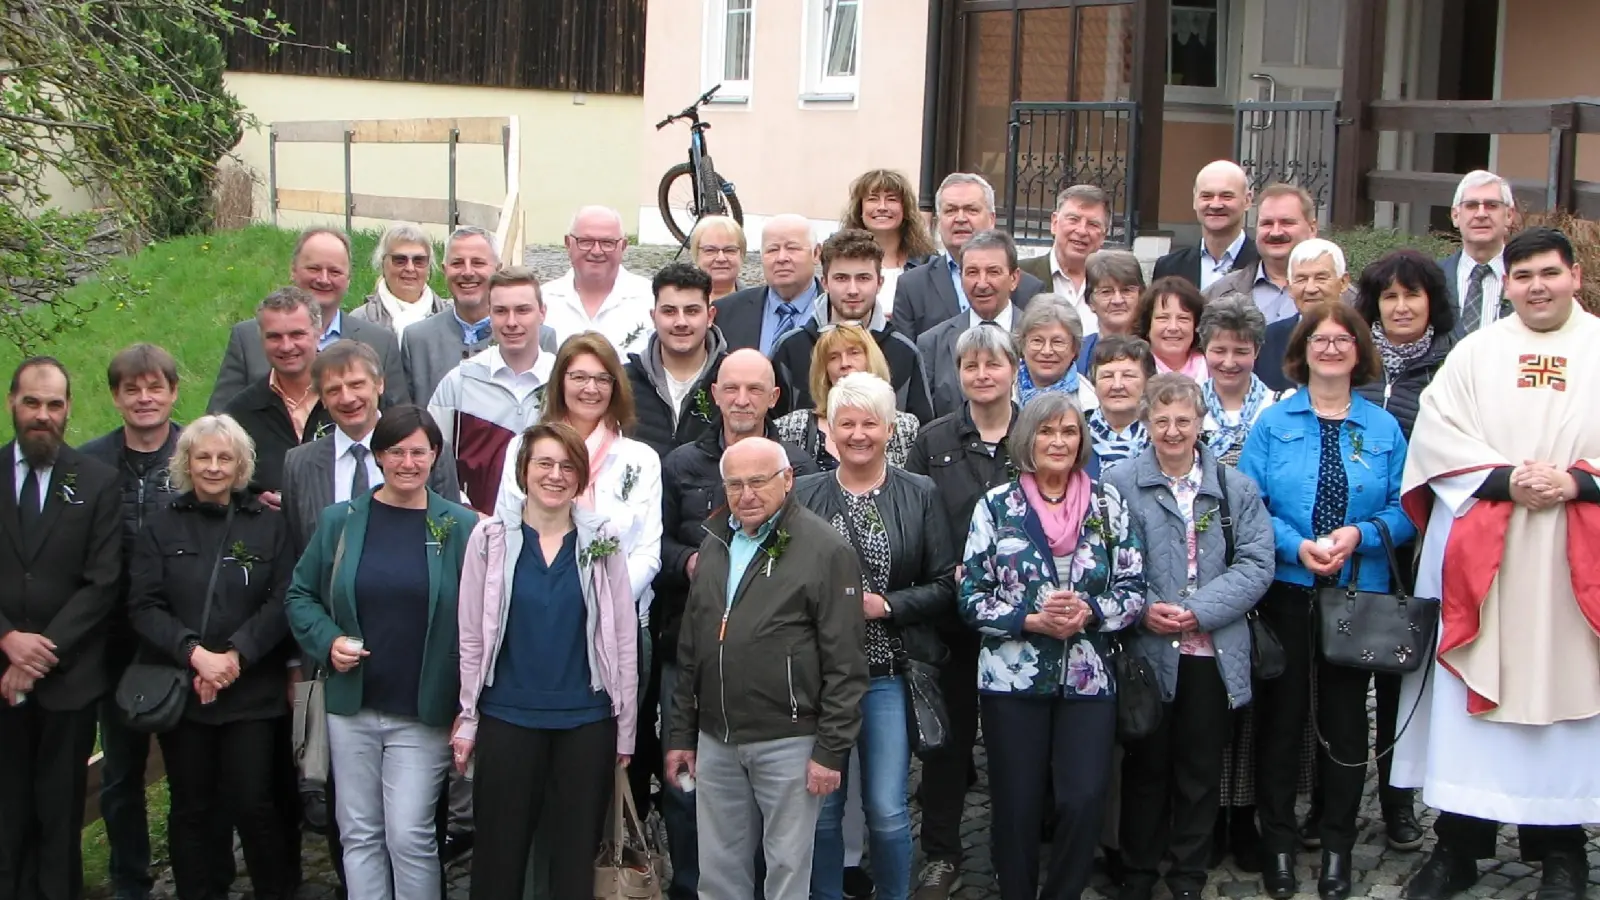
(374, 603)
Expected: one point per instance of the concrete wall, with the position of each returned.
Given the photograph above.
(576, 148)
(783, 155)
(1185, 148)
(1549, 54)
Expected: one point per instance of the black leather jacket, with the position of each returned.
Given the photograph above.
(950, 451)
(922, 589)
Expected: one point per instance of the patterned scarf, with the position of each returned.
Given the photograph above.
(1113, 447)
(1227, 437)
(1398, 357)
(1026, 389)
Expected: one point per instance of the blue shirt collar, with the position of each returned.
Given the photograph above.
(758, 537)
(333, 332)
(1229, 255)
(802, 304)
(471, 332)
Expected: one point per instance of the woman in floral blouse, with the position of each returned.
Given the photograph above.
(1052, 566)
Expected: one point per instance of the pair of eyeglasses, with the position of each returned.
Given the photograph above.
(401, 454)
(1337, 341)
(401, 260)
(544, 465)
(584, 379)
(736, 486)
(1184, 423)
(1059, 345)
(1473, 206)
(708, 250)
(587, 244)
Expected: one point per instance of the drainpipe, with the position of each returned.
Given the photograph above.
(930, 105)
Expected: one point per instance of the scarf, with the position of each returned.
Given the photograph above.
(1026, 389)
(1062, 523)
(1195, 367)
(1113, 447)
(1227, 437)
(599, 443)
(403, 314)
(1398, 357)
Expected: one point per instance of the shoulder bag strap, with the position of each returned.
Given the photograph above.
(1399, 587)
(216, 568)
(1226, 515)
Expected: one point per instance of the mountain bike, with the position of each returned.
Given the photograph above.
(692, 190)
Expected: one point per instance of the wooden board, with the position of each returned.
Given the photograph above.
(472, 130)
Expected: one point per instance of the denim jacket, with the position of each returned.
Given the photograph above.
(1007, 561)
(1283, 455)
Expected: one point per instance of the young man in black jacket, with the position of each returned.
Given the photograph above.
(672, 378)
(144, 386)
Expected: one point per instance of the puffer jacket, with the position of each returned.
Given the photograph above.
(659, 425)
(1402, 396)
(1223, 593)
(921, 588)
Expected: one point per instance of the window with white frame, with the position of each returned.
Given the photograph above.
(832, 37)
(1197, 50)
(729, 36)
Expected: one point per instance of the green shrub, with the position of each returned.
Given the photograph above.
(1363, 245)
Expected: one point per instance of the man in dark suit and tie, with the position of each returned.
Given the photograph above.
(1221, 196)
(60, 561)
(990, 276)
(933, 292)
(757, 316)
(1475, 275)
(321, 267)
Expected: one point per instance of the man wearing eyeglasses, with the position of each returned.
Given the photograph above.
(1475, 274)
(1079, 224)
(597, 293)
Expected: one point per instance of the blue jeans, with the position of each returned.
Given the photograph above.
(677, 811)
(885, 753)
(127, 752)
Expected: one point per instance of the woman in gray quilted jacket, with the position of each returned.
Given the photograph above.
(1210, 559)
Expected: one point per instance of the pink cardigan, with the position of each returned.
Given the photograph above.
(485, 598)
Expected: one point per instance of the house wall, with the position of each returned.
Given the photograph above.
(1186, 147)
(576, 149)
(782, 155)
(1537, 33)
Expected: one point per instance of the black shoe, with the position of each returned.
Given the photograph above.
(1401, 828)
(455, 846)
(1442, 876)
(1311, 829)
(1115, 870)
(1334, 882)
(1566, 876)
(857, 884)
(1245, 839)
(1219, 837)
(1277, 876)
(1137, 886)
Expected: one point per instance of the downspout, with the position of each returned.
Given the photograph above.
(929, 182)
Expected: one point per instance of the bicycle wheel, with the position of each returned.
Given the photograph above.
(679, 205)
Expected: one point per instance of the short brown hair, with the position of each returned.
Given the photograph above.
(516, 276)
(309, 233)
(570, 441)
(851, 243)
(343, 355)
(844, 335)
(1369, 365)
(141, 359)
(595, 344)
(1308, 206)
(1189, 297)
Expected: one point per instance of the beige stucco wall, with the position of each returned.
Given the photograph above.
(576, 148)
(1549, 54)
(784, 156)
(1185, 148)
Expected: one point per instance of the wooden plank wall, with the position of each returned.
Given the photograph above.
(595, 46)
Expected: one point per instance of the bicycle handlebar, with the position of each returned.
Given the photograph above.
(692, 110)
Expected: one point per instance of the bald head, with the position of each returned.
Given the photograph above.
(757, 477)
(1221, 196)
(745, 392)
(761, 453)
(595, 245)
(788, 254)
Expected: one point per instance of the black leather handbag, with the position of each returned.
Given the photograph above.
(1267, 659)
(1384, 633)
(1138, 692)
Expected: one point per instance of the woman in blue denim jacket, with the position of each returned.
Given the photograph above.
(1052, 564)
(1329, 465)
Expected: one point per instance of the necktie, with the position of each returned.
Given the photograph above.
(28, 506)
(1472, 308)
(786, 316)
(359, 482)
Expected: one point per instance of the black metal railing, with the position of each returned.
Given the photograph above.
(1056, 145)
(1291, 142)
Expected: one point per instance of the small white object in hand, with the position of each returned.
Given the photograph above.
(686, 783)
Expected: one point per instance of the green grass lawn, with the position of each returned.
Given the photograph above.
(97, 852)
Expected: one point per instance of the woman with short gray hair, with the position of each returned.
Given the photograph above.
(1114, 280)
(402, 297)
(1053, 566)
(1049, 332)
(1232, 330)
(1193, 634)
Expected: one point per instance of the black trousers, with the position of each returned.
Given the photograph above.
(1282, 705)
(1171, 780)
(1032, 742)
(528, 775)
(285, 775)
(221, 774)
(1475, 838)
(943, 792)
(44, 760)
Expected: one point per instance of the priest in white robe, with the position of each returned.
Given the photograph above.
(1501, 479)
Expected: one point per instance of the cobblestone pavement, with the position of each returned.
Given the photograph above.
(550, 261)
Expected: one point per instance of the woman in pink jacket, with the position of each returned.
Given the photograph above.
(548, 670)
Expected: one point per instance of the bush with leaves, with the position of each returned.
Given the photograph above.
(1363, 245)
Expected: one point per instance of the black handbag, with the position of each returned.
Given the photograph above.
(1389, 633)
(153, 695)
(1267, 659)
(1138, 691)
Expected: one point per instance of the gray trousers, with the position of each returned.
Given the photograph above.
(743, 791)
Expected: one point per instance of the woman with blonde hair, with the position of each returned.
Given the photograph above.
(839, 352)
(718, 247)
(883, 202)
(402, 297)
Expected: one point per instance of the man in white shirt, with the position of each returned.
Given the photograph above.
(989, 275)
(1475, 274)
(1079, 224)
(597, 293)
(1221, 196)
(1285, 216)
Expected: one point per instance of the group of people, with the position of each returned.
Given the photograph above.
(712, 544)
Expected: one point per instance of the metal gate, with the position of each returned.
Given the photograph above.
(1290, 142)
(1056, 145)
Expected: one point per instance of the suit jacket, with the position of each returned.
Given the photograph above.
(245, 361)
(433, 347)
(1269, 361)
(1184, 262)
(260, 412)
(925, 296)
(308, 486)
(739, 315)
(62, 580)
(938, 349)
(1452, 265)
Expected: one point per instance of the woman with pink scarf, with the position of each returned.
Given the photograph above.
(1169, 319)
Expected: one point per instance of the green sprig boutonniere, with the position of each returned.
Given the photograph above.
(630, 478)
(873, 518)
(323, 430)
(598, 549)
(439, 530)
(634, 335)
(702, 406)
(241, 556)
(1204, 521)
(776, 550)
(1356, 446)
(69, 489)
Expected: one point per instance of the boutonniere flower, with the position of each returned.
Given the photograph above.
(776, 550)
(1356, 447)
(702, 406)
(630, 478)
(598, 549)
(1204, 521)
(1012, 472)
(634, 335)
(240, 555)
(323, 430)
(873, 518)
(69, 489)
(439, 530)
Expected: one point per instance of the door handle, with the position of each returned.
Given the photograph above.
(1272, 97)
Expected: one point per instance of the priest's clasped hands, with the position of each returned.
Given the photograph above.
(1540, 485)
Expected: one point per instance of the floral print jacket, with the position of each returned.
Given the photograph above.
(1006, 565)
